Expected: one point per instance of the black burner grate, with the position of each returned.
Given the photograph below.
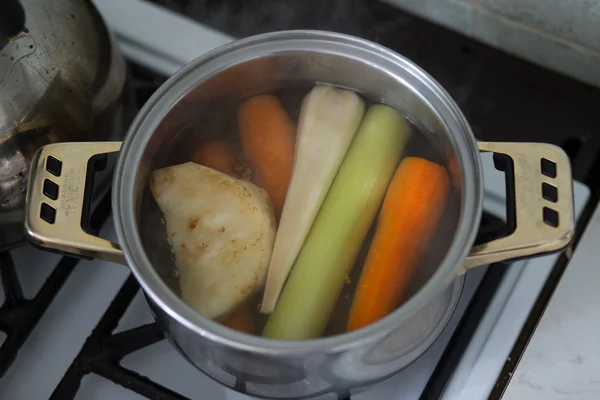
(19, 315)
(103, 351)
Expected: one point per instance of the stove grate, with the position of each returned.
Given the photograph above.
(19, 315)
(103, 351)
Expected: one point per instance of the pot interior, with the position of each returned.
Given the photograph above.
(202, 105)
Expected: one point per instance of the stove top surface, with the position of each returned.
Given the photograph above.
(114, 337)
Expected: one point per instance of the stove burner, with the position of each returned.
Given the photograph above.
(103, 351)
(19, 315)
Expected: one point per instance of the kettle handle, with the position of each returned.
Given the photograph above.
(539, 199)
(56, 195)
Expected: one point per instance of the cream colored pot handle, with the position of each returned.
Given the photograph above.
(55, 201)
(543, 204)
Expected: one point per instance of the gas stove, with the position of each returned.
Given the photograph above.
(73, 329)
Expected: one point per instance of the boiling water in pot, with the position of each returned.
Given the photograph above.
(214, 139)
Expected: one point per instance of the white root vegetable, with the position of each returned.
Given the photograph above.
(329, 119)
(221, 230)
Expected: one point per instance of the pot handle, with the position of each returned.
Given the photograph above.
(539, 203)
(56, 196)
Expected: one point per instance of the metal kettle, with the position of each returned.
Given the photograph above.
(62, 78)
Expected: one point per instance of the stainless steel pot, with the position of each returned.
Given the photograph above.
(332, 366)
(61, 79)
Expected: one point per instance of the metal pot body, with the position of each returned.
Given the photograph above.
(323, 374)
(333, 366)
(62, 79)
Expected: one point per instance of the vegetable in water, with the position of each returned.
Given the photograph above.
(217, 155)
(221, 230)
(241, 319)
(267, 136)
(410, 213)
(328, 122)
(340, 227)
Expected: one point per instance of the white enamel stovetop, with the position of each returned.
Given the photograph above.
(75, 311)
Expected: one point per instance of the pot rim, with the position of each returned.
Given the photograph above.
(177, 86)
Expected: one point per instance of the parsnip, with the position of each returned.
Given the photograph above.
(340, 227)
(221, 230)
(329, 118)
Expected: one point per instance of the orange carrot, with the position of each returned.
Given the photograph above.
(267, 136)
(241, 319)
(410, 213)
(217, 155)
